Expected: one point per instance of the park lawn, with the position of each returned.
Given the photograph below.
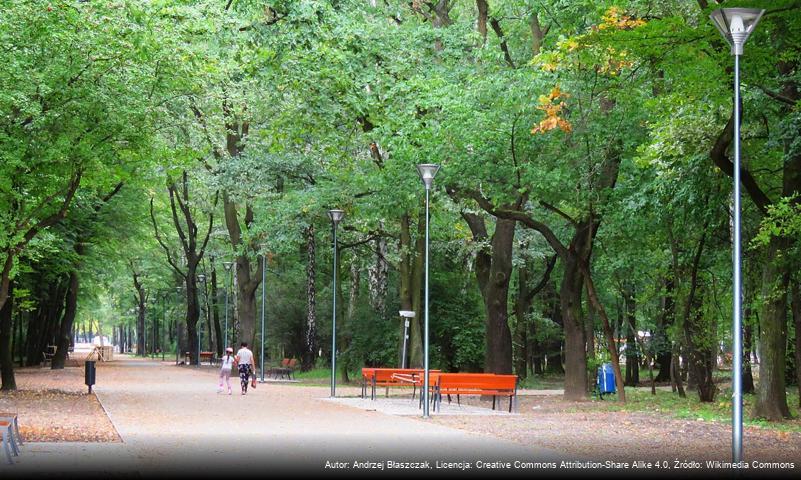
(666, 402)
(322, 376)
(543, 382)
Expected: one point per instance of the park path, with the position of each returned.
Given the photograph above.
(170, 418)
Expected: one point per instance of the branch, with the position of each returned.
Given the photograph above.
(719, 158)
(159, 240)
(496, 27)
(518, 215)
(559, 212)
(549, 264)
(777, 96)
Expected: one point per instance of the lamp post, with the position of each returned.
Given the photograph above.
(199, 329)
(336, 216)
(263, 249)
(736, 24)
(427, 173)
(227, 266)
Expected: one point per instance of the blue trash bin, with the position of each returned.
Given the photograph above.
(606, 379)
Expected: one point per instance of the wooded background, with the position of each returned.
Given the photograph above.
(584, 195)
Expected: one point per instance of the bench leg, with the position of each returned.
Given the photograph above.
(493, 402)
(16, 428)
(510, 403)
(14, 448)
(6, 447)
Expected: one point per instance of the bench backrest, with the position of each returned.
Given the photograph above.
(467, 382)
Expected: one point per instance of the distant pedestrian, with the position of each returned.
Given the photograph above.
(244, 358)
(228, 362)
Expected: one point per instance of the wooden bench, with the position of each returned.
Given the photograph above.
(391, 377)
(207, 356)
(475, 384)
(287, 368)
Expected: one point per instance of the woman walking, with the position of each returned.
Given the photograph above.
(244, 358)
(225, 370)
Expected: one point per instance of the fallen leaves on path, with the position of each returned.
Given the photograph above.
(54, 406)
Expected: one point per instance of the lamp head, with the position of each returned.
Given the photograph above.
(406, 313)
(228, 265)
(427, 173)
(736, 24)
(202, 278)
(336, 216)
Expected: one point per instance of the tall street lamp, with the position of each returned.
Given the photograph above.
(427, 173)
(263, 249)
(336, 216)
(736, 24)
(227, 266)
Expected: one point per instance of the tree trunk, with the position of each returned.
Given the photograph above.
(771, 401)
(748, 376)
(570, 294)
(552, 349)
(796, 308)
(632, 356)
(411, 285)
(310, 336)
(350, 317)
(499, 337)
(140, 319)
(522, 306)
(378, 278)
(192, 314)
(6, 355)
(662, 344)
(218, 333)
(65, 331)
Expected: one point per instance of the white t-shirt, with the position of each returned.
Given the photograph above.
(227, 362)
(245, 356)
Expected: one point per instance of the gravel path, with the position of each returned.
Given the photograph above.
(171, 419)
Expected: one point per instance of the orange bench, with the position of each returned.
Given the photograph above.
(475, 384)
(391, 377)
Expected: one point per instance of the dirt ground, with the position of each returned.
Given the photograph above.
(54, 406)
(580, 428)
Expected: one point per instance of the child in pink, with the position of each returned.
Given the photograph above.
(225, 370)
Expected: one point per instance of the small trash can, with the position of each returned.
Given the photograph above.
(89, 374)
(606, 379)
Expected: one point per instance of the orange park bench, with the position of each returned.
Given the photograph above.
(391, 377)
(475, 384)
(287, 369)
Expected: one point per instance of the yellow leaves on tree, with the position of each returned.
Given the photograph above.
(553, 105)
(614, 18)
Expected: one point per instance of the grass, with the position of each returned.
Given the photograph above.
(543, 382)
(322, 375)
(669, 403)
